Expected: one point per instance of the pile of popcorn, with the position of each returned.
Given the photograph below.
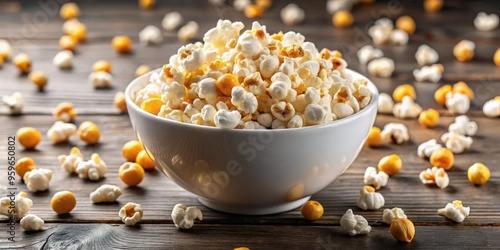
(253, 80)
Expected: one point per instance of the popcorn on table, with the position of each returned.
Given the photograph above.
(381, 67)
(31, 222)
(425, 149)
(333, 6)
(22, 205)
(396, 133)
(101, 79)
(369, 199)
(63, 59)
(131, 213)
(398, 37)
(380, 32)
(377, 180)
(105, 193)
(457, 143)
(464, 50)
(14, 102)
(368, 53)
(354, 224)
(435, 175)
(455, 211)
(491, 108)
(61, 131)
(426, 55)
(150, 35)
(407, 108)
(38, 179)
(70, 162)
(239, 5)
(485, 22)
(431, 73)
(5, 49)
(93, 169)
(463, 126)
(385, 104)
(292, 14)
(188, 31)
(457, 103)
(184, 217)
(172, 20)
(391, 214)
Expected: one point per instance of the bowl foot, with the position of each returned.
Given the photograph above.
(254, 210)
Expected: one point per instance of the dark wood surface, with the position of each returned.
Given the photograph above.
(99, 227)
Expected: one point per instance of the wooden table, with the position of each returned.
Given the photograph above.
(34, 29)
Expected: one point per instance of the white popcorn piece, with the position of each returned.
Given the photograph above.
(218, 37)
(407, 108)
(172, 20)
(426, 55)
(391, 214)
(485, 22)
(296, 122)
(38, 179)
(188, 31)
(435, 175)
(354, 224)
(377, 180)
(463, 126)
(381, 67)
(395, 133)
(191, 57)
(131, 213)
(425, 149)
(5, 49)
(491, 108)
(93, 169)
(150, 35)
(385, 104)
(380, 32)
(292, 14)
(70, 162)
(265, 119)
(455, 211)
(245, 101)
(457, 103)
(239, 5)
(227, 119)
(283, 111)
(105, 193)
(184, 217)
(14, 102)
(398, 37)
(172, 94)
(431, 73)
(314, 114)
(269, 66)
(368, 53)
(333, 6)
(101, 79)
(61, 132)
(63, 59)
(457, 143)
(31, 222)
(22, 204)
(369, 200)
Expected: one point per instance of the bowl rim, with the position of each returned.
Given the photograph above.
(372, 105)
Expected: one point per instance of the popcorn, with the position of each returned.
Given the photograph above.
(381, 67)
(269, 66)
(368, 53)
(391, 214)
(14, 102)
(239, 5)
(333, 6)
(377, 180)
(5, 49)
(131, 213)
(191, 57)
(93, 169)
(396, 133)
(354, 224)
(426, 55)
(105, 193)
(292, 14)
(101, 79)
(457, 143)
(380, 32)
(457, 103)
(70, 162)
(431, 73)
(407, 108)
(369, 199)
(435, 175)
(464, 50)
(38, 179)
(63, 59)
(150, 35)
(492, 108)
(284, 111)
(22, 205)
(455, 211)
(425, 149)
(188, 31)
(31, 222)
(385, 104)
(61, 132)
(463, 126)
(218, 37)
(184, 217)
(245, 101)
(314, 114)
(485, 22)
(171, 20)
(398, 37)
(227, 119)
(265, 119)
(296, 122)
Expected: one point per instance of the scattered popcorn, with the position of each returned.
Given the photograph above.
(457, 143)
(150, 35)
(462, 87)
(333, 6)
(119, 101)
(457, 103)
(184, 217)
(395, 133)
(455, 211)
(70, 162)
(485, 22)
(398, 37)
(407, 108)
(171, 21)
(142, 70)
(14, 102)
(105, 193)
(426, 55)
(464, 50)
(381, 67)
(5, 49)
(369, 199)
(61, 132)
(431, 73)
(385, 104)
(425, 149)
(131, 213)
(404, 90)
(31, 222)
(391, 214)
(377, 180)
(101, 79)
(292, 14)
(21, 207)
(64, 112)
(354, 224)
(240, 5)
(63, 59)
(38, 179)
(188, 31)
(93, 169)
(463, 126)
(380, 32)
(492, 107)
(227, 119)
(368, 53)
(435, 175)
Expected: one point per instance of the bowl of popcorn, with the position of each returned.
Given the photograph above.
(252, 122)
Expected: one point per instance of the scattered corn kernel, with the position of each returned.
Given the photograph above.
(390, 164)
(102, 65)
(147, 4)
(342, 19)
(24, 165)
(28, 137)
(462, 87)
(464, 50)
(253, 11)
(39, 79)
(78, 31)
(433, 5)
(65, 112)
(442, 158)
(478, 174)
(141, 70)
(312, 210)
(119, 101)
(152, 105)
(406, 23)
(429, 118)
(374, 137)
(226, 82)
(402, 229)
(69, 10)
(402, 91)
(67, 43)
(89, 132)
(63, 202)
(144, 160)
(122, 44)
(23, 63)
(131, 149)
(440, 94)
(496, 57)
(131, 173)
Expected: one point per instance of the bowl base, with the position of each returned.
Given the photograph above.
(254, 210)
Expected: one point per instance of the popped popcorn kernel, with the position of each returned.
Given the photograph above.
(131, 213)
(391, 214)
(31, 222)
(485, 22)
(407, 108)
(425, 149)
(455, 211)
(426, 55)
(435, 176)
(431, 73)
(457, 143)
(292, 14)
(369, 199)
(381, 67)
(64, 111)
(22, 205)
(63, 59)
(105, 193)
(70, 162)
(93, 169)
(38, 179)
(377, 179)
(171, 21)
(61, 132)
(396, 133)
(184, 217)
(354, 224)
(491, 108)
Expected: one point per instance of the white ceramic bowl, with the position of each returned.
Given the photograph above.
(251, 171)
